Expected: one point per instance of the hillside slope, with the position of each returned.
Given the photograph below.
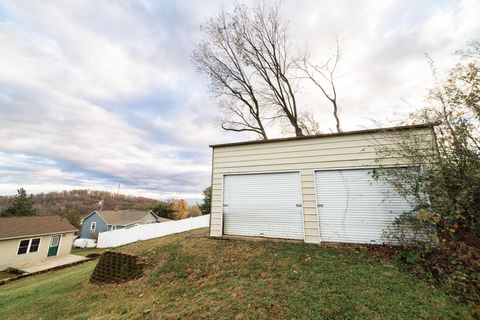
(83, 201)
(193, 277)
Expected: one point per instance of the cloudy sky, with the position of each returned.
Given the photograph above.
(96, 93)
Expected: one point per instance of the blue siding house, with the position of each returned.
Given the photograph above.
(101, 221)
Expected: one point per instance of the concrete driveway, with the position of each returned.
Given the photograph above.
(49, 263)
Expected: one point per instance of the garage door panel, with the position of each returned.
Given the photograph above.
(263, 205)
(354, 207)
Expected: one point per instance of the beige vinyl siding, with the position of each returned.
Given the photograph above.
(306, 156)
(9, 248)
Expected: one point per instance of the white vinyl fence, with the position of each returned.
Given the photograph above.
(120, 237)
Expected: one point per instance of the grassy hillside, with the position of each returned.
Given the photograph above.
(195, 278)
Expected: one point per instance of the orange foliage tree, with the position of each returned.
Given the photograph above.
(180, 208)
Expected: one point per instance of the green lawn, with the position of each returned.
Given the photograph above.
(198, 278)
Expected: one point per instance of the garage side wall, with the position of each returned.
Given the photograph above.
(305, 156)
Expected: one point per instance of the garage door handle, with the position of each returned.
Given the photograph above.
(320, 205)
(225, 205)
(299, 205)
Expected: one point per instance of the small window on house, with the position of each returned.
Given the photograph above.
(23, 247)
(93, 226)
(34, 245)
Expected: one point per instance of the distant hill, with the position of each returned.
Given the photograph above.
(83, 202)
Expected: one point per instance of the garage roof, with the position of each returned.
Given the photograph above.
(19, 227)
(367, 131)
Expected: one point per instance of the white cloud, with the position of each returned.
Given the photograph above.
(93, 93)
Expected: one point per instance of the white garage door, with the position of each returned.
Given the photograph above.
(353, 207)
(263, 205)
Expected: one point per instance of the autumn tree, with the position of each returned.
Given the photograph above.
(180, 208)
(20, 205)
(245, 55)
(195, 211)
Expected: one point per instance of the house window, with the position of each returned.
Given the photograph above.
(23, 247)
(28, 245)
(34, 244)
(93, 226)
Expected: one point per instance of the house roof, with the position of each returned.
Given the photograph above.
(367, 131)
(123, 217)
(18, 227)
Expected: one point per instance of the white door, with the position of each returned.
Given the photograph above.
(353, 207)
(263, 205)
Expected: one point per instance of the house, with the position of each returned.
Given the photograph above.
(313, 188)
(101, 221)
(34, 238)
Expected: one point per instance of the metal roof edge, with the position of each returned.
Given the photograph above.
(324, 135)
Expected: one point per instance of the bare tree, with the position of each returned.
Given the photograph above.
(262, 36)
(244, 55)
(308, 124)
(323, 76)
(218, 57)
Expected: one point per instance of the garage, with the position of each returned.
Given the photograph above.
(310, 188)
(263, 205)
(353, 207)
